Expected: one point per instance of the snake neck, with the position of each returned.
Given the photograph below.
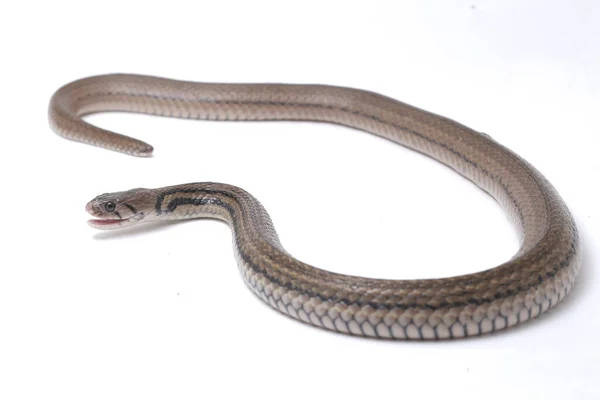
(244, 214)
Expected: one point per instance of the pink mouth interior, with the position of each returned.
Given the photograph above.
(104, 221)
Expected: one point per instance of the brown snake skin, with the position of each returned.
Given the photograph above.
(539, 276)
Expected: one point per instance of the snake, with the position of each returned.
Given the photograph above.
(535, 279)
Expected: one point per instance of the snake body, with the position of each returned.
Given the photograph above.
(535, 279)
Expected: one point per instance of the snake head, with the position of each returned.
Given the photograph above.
(119, 209)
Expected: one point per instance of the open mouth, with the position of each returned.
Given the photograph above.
(106, 224)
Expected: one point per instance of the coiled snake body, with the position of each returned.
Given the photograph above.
(534, 280)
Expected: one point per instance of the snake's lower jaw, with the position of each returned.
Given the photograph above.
(109, 224)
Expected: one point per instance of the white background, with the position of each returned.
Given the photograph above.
(161, 312)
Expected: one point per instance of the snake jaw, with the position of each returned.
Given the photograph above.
(108, 224)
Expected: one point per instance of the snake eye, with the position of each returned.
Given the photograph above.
(110, 206)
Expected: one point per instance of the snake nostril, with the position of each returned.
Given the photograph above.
(93, 210)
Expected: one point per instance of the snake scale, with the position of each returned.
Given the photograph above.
(535, 279)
